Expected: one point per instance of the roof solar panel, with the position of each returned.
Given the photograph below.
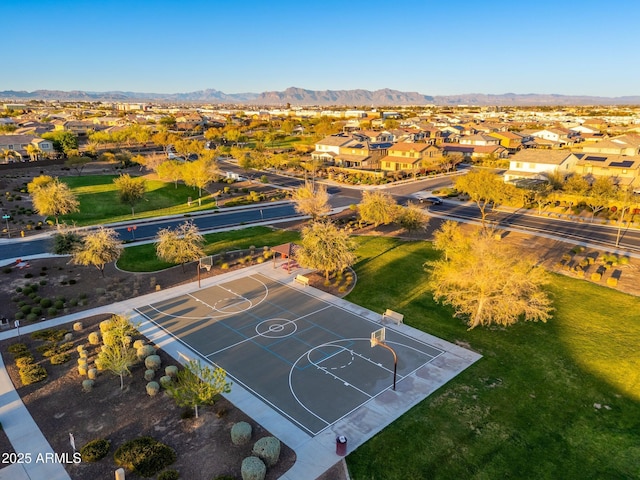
(623, 164)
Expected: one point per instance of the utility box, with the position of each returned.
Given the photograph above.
(341, 445)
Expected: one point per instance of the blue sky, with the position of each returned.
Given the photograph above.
(435, 48)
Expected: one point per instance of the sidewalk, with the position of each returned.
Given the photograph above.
(26, 438)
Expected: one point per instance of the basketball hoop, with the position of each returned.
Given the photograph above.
(378, 338)
(206, 262)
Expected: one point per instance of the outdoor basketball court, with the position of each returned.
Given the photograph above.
(309, 359)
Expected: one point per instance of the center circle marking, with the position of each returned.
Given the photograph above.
(276, 328)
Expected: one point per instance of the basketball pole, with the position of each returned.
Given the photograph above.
(198, 267)
(395, 361)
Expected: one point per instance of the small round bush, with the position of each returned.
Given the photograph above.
(149, 374)
(26, 309)
(37, 310)
(77, 326)
(46, 303)
(144, 351)
(87, 385)
(106, 325)
(153, 388)
(144, 456)
(68, 337)
(80, 348)
(169, 475)
(138, 343)
(32, 317)
(253, 469)
(268, 449)
(82, 370)
(95, 450)
(165, 381)
(171, 371)
(94, 338)
(17, 348)
(52, 311)
(153, 361)
(92, 373)
(241, 433)
(19, 316)
(73, 302)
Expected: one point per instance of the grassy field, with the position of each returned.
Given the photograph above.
(142, 258)
(559, 400)
(99, 201)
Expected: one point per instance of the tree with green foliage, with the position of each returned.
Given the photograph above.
(197, 385)
(488, 282)
(483, 188)
(311, 200)
(576, 185)
(131, 190)
(98, 248)
(77, 162)
(601, 193)
(412, 218)
(52, 197)
(325, 247)
(33, 151)
(171, 171)
(200, 173)
(184, 244)
(117, 359)
(63, 141)
(65, 241)
(377, 207)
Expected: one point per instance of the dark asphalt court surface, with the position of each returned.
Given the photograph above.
(310, 360)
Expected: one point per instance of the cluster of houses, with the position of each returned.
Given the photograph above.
(531, 153)
(532, 142)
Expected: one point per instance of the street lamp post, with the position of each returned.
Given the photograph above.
(7, 217)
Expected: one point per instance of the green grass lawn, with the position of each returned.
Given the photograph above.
(142, 258)
(526, 409)
(99, 201)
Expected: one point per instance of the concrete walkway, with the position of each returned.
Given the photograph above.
(316, 454)
(25, 437)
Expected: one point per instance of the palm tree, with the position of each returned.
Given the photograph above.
(33, 152)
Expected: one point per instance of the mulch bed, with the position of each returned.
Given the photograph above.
(59, 407)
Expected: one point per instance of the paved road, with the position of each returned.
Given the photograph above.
(579, 232)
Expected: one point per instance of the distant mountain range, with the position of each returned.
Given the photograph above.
(300, 96)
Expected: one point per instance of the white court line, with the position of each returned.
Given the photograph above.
(162, 312)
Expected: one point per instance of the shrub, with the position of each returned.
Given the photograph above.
(94, 338)
(268, 449)
(60, 358)
(6, 270)
(32, 373)
(144, 351)
(596, 276)
(22, 362)
(240, 433)
(106, 325)
(144, 456)
(95, 450)
(82, 370)
(77, 326)
(165, 381)
(87, 385)
(26, 309)
(224, 266)
(171, 371)
(138, 343)
(19, 316)
(612, 281)
(153, 362)
(52, 311)
(153, 388)
(46, 303)
(149, 374)
(253, 469)
(18, 348)
(37, 311)
(92, 373)
(32, 317)
(73, 302)
(169, 475)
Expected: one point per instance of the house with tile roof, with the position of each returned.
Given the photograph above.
(627, 144)
(533, 164)
(408, 157)
(623, 170)
(16, 146)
